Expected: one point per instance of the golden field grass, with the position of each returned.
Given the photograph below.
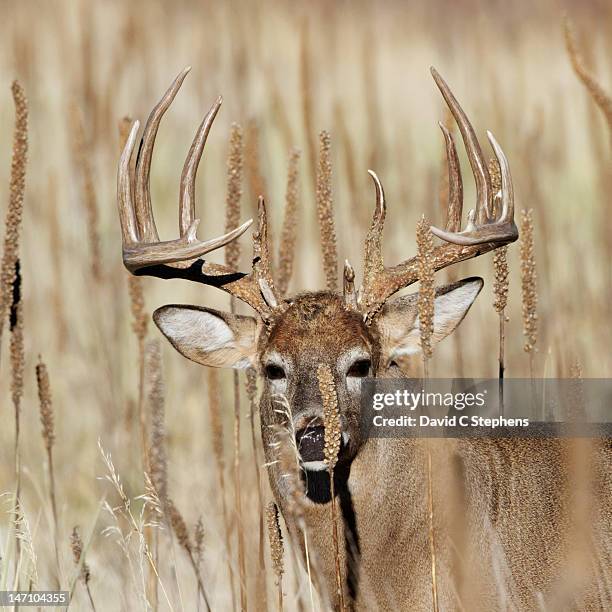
(359, 70)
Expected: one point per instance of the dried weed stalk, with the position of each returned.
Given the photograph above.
(331, 417)
(275, 538)
(233, 194)
(216, 431)
(425, 254)
(325, 213)
(76, 544)
(529, 286)
(14, 211)
(286, 247)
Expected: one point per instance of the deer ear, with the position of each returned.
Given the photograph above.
(210, 337)
(399, 320)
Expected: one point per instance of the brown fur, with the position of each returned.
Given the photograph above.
(515, 526)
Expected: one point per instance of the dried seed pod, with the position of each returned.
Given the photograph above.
(76, 544)
(529, 281)
(331, 415)
(46, 405)
(425, 254)
(158, 462)
(286, 250)
(234, 194)
(14, 211)
(140, 319)
(325, 212)
(275, 537)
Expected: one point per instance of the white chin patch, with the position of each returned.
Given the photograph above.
(345, 437)
(314, 466)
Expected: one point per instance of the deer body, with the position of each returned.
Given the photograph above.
(497, 536)
(509, 549)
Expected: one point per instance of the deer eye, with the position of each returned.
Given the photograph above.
(274, 372)
(360, 368)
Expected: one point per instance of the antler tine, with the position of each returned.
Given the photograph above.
(455, 184)
(261, 257)
(507, 188)
(144, 211)
(190, 169)
(127, 219)
(372, 255)
(472, 147)
(350, 299)
(481, 235)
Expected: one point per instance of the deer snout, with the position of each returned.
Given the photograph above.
(309, 430)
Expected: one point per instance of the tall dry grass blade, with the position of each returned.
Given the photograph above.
(17, 357)
(596, 91)
(275, 538)
(57, 256)
(158, 460)
(350, 167)
(252, 154)
(286, 246)
(232, 256)
(82, 156)
(140, 323)
(529, 289)
(233, 194)
(76, 544)
(432, 534)
(48, 435)
(181, 532)
(287, 459)
(251, 391)
(14, 211)
(125, 514)
(331, 418)
(306, 94)
(501, 282)
(238, 496)
(325, 212)
(216, 432)
(425, 254)
(198, 549)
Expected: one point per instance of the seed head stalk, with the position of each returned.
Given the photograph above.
(331, 417)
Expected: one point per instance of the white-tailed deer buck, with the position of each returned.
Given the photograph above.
(504, 519)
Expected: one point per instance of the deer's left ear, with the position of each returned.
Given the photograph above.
(398, 321)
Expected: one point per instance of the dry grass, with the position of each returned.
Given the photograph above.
(425, 245)
(323, 67)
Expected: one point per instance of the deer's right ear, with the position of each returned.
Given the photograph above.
(210, 337)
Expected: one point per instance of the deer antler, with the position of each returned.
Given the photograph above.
(145, 254)
(485, 229)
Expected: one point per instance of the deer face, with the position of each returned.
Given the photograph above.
(360, 333)
(315, 328)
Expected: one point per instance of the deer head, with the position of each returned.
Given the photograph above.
(357, 333)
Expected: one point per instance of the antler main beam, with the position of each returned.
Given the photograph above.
(145, 254)
(486, 229)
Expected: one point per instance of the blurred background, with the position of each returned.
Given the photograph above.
(286, 71)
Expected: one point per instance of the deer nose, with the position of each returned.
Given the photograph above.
(308, 419)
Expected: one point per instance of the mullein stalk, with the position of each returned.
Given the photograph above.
(48, 434)
(232, 257)
(331, 418)
(426, 302)
(251, 389)
(76, 544)
(275, 538)
(425, 254)
(216, 430)
(14, 211)
(529, 286)
(500, 286)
